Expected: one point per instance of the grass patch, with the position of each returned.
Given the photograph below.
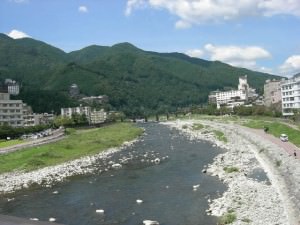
(184, 127)
(276, 128)
(228, 218)
(74, 146)
(220, 136)
(198, 126)
(4, 143)
(231, 169)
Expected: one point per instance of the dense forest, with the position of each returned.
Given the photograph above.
(137, 82)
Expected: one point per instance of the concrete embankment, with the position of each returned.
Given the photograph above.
(10, 220)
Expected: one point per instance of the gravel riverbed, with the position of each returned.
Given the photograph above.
(13, 181)
(276, 201)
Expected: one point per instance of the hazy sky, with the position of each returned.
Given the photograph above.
(262, 35)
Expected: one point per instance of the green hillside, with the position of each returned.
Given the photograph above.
(136, 81)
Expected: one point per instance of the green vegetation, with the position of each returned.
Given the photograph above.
(4, 143)
(231, 169)
(228, 218)
(16, 132)
(198, 126)
(138, 83)
(278, 163)
(276, 128)
(220, 135)
(76, 145)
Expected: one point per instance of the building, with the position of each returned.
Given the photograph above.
(93, 116)
(272, 92)
(13, 87)
(233, 98)
(95, 99)
(97, 117)
(11, 111)
(290, 93)
(80, 110)
(74, 90)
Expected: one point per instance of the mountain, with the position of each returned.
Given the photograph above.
(135, 80)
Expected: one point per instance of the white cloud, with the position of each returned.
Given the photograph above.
(133, 4)
(195, 53)
(16, 34)
(206, 11)
(291, 66)
(236, 55)
(82, 9)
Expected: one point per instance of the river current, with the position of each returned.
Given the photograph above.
(166, 189)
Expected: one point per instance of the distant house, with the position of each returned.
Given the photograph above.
(74, 90)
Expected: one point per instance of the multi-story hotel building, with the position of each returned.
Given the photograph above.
(290, 93)
(233, 97)
(11, 111)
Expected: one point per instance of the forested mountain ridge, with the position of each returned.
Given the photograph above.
(135, 80)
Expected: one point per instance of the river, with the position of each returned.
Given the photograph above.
(166, 189)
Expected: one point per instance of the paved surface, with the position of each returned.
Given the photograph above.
(10, 220)
(56, 136)
(287, 146)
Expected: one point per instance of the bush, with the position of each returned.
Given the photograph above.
(231, 169)
(228, 218)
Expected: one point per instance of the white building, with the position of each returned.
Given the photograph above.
(80, 110)
(233, 97)
(290, 93)
(93, 116)
(97, 117)
(11, 111)
(13, 87)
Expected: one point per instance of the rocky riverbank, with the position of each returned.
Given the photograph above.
(251, 201)
(10, 182)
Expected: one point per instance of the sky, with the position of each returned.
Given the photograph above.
(262, 35)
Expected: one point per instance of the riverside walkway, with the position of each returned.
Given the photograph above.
(11, 220)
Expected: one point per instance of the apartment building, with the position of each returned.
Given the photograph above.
(11, 111)
(97, 117)
(272, 92)
(80, 110)
(290, 93)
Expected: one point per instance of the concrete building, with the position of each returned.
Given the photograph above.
(233, 97)
(97, 117)
(95, 99)
(290, 93)
(80, 110)
(74, 90)
(272, 92)
(11, 111)
(13, 87)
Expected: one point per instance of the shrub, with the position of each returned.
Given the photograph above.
(278, 163)
(228, 218)
(198, 126)
(231, 169)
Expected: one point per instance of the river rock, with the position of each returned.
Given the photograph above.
(150, 222)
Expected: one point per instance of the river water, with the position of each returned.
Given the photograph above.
(166, 188)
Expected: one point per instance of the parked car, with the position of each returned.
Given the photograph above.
(284, 137)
